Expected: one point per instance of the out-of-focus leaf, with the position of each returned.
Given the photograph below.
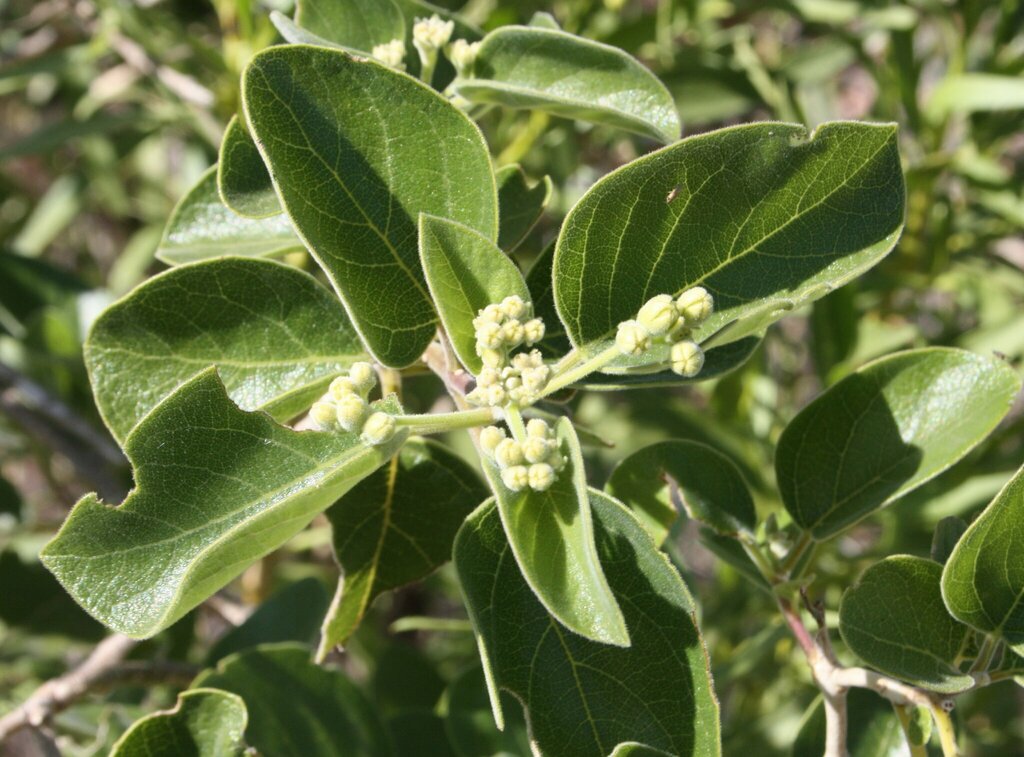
(973, 92)
(947, 533)
(242, 178)
(470, 722)
(204, 723)
(520, 205)
(34, 601)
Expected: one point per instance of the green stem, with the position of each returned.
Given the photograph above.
(438, 423)
(986, 652)
(427, 65)
(758, 558)
(916, 750)
(796, 553)
(514, 419)
(947, 735)
(571, 375)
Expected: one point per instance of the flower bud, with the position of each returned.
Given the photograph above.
(512, 333)
(687, 358)
(536, 450)
(540, 476)
(495, 395)
(658, 314)
(513, 306)
(490, 314)
(363, 377)
(490, 336)
(695, 305)
(490, 438)
(431, 34)
(632, 338)
(462, 54)
(488, 377)
(513, 382)
(342, 387)
(492, 358)
(516, 478)
(520, 395)
(323, 414)
(533, 331)
(538, 429)
(536, 379)
(508, 452)
(351, 412)
(379, 428)
(391, 54)
(476, 397)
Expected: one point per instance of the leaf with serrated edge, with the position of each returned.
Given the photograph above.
(756, 214)
(204, 723)
(710, 486)
(466, 272)
(983, 581)
(216, 488)
(885, 430)
(557, 72)
(356, 24)
(520, 205)
(202, 227)
(276, 335)
(396, 526)
(297, 708)
(893, 618)
(242, 179)
(357, 151)
(552, 538)
(582, 697)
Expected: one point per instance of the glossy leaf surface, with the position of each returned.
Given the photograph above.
(216, 488)
(204, 723)
(357, 151)
(242, 178)
(885, 430)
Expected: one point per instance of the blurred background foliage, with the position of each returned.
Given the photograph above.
(110, 110)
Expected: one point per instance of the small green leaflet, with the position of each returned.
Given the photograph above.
(885, 430)
(355, 24)
(893, 618)
(275, 334)
(520, 205)
(202, 227)
(357, 151)
(983, 581)
(296, 708)
(204, 723)
(395, 527)
(216, 488)
(551, 535)
(466, 272)
(765, 216)
(583, 697)
(557, 72)
(242, 179)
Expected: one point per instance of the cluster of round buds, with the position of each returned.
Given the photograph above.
(391, 54)
(345, 405)
(463, 54)
(530, 464)
(673, 320)
(519, 383)
(429, 35)
(503, 327)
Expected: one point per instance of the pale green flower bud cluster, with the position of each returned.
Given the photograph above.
(673, 320)
(531, 464)
(463, 54)
(391, 54)
(345, 406)
(500, 328)
(430, 35)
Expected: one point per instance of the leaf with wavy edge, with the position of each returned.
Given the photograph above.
(204, 723)
(216, 488)
(242, 178)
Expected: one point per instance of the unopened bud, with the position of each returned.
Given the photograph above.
(363, 377)
(488, 377)
(516, 478)
(431, 34)
(632, 338)
(695, 305)
(495, 395)
(462, 54)
(533, 331)
(379, 428)
(490, 314)
(538, 429)
(536, 450)
(536, 379)
(513, 306)
(490, 438)
(391, 54)
(512, 333)
(492, 358)
(342, 387)
(541, 476)
(508, 452)
(658, 315)
(687, 358)
(323, 414)
(490, 336)
(351, 412)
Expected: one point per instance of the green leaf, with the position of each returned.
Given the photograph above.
(216, 488)
(204, 723)
(356, 24)
(983, 581)
(296, 35)
(419, 733)
(242, 178)
(560, 73)
(202, 227)
(551, 534)
(765, 216)
(538, 279)
(466, 272)
(357, 151)
(296, 708)
(947, 533)
(583, 697)
(470, 724)
(885, 430)
(395, 527)
(710, 487)
(275, 334)
(893, 618)
(975, 92)
(520, 206)
(872, 731)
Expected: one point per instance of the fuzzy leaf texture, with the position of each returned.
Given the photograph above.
(357, 151)
(355, 24)
(242, 178)
(582, 697)
(885, 430)
(983, 581)
(204, 723)
(276, 336)
(216, 488)
(765, 217)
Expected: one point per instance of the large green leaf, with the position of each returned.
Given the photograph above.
(764, 216)
(885, 430)
(519, 205)
(357, 151)
(983, 581)
(551, 534)
(242, 178)
(395, 527)
(275, 334)
(583, 697)
(357, 24)
(709, 485)
(296, 708)
(216, 488)
(202, 227)
(466, 272)
(204, 723)
(893, 618)
(550, 70)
